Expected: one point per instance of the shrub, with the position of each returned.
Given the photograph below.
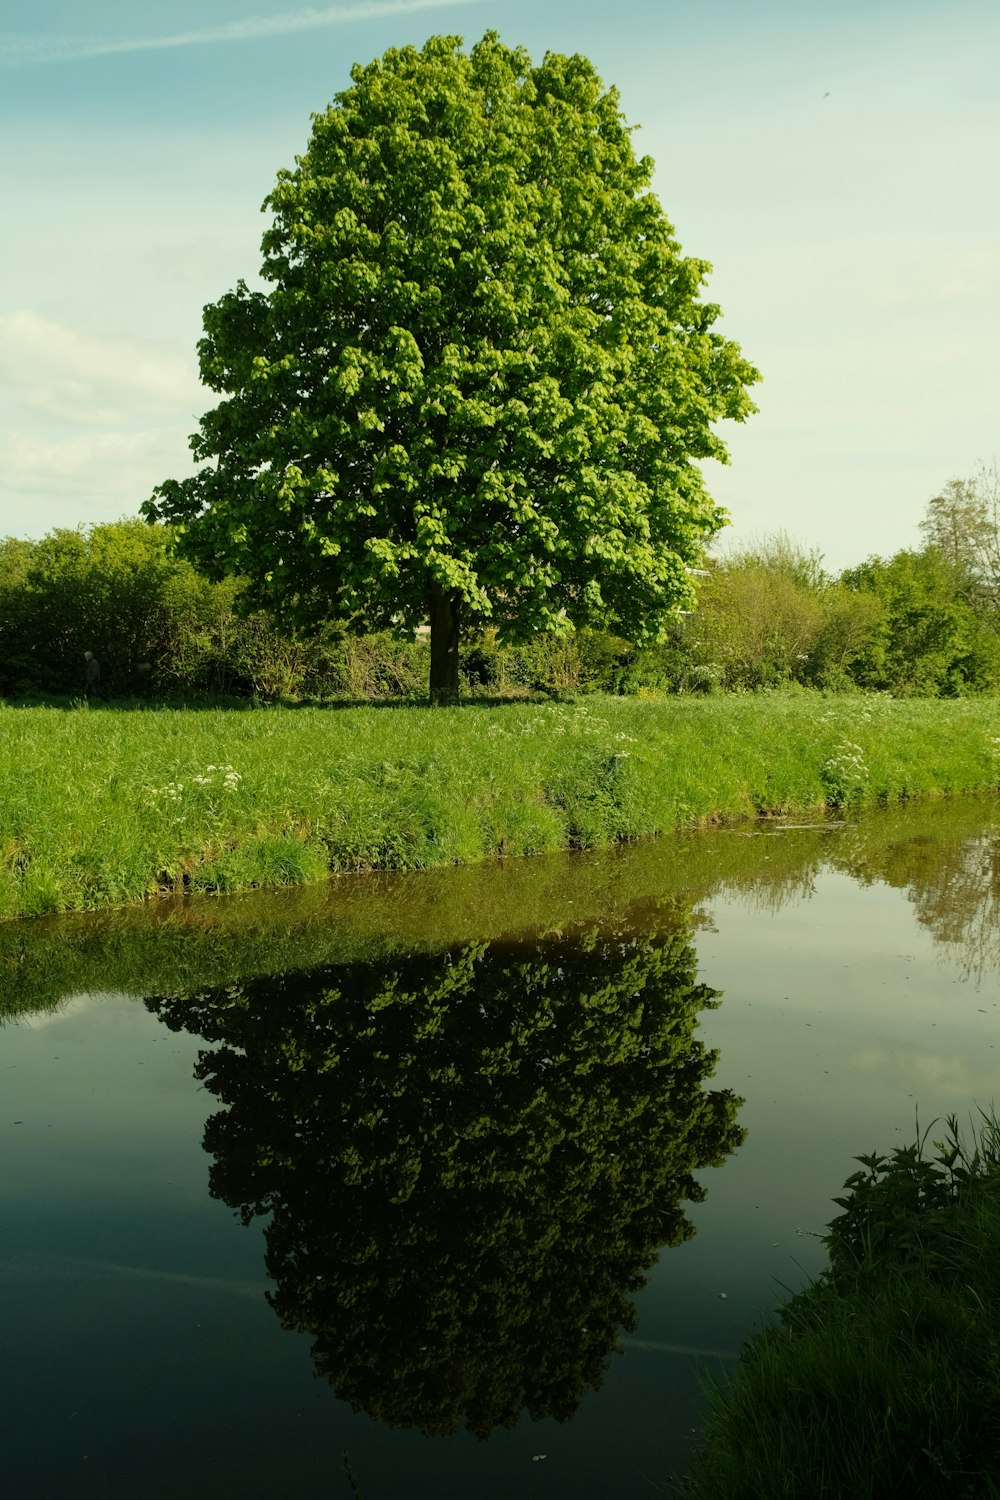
(881, 1380)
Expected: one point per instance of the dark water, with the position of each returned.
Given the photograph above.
(467, 1175)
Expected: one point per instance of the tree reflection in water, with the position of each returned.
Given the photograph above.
(470, 1159)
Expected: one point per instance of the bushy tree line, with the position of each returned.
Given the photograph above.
(924, 621)
(908, 624)
(159, 628)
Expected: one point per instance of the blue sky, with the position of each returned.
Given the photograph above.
(834, 161)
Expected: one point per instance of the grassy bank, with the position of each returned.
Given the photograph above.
(929, 850)
(882, 1380)
(104, 807)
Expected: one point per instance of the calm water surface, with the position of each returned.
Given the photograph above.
(409, 1168)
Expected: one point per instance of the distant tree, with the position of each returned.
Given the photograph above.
(759, 614)
(779, 555)
(481, 384)
(963, 523)
(155, 624)
(851, 623)
(469, 1160)
(15, 560)
(99, 588)
(930, 639)
(15, 634)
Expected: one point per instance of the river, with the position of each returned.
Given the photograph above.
(458, 1183)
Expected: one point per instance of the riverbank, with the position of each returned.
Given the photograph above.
(882, 1378)
(104, 807)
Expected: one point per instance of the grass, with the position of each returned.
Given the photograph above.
(100, 807)
(164, 947)
(882, 1379)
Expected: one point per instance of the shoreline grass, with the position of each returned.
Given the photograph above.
(880, 1381)
(182, 943)
(100, 807)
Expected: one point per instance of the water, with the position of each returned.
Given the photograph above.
(436, 1137)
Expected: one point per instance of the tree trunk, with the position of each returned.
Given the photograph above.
(446, 611)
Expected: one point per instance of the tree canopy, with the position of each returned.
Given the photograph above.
(480, 383)
(930, 638)
(470, 1159)
(963, 522)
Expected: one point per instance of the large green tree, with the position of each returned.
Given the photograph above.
(481, 381)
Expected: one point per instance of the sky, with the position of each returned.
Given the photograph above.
(835, 161)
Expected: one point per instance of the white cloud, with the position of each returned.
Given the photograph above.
(73, 1005)
(91, 379)
(114, 471)
(89, 422)
(22, 51)
(952, 1075)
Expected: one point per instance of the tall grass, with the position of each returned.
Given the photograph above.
(103, 807)
(882, 1380)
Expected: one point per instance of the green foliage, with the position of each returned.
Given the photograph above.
(930, 639)
(755, 624)
(371, 668)
(919, 623)
(962, 522)
(101, 589)
(780, 556)
(768, 616)
(470, 1160)
(162, 630)
(898, 1209)
(881, 1379)
(101, 808)
(157, 627)
(850, 623)
(582, 661)
(482, 381)
(846, 775)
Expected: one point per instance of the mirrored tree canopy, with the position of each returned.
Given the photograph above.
(470, 1160)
